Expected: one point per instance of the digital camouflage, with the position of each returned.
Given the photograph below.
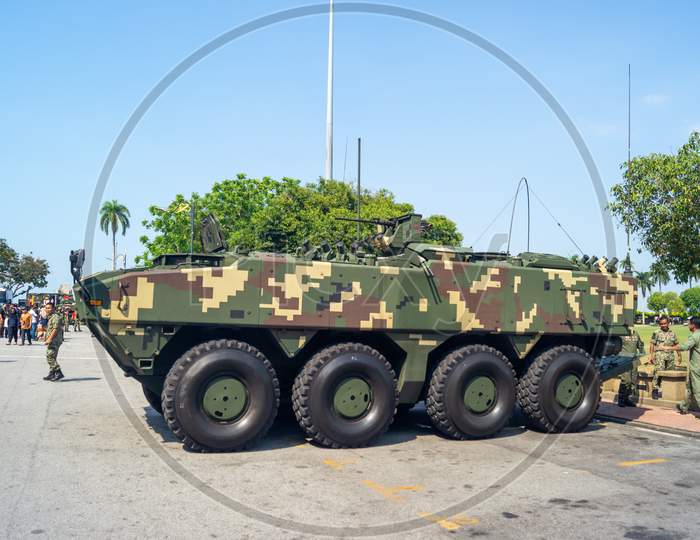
(418, 294)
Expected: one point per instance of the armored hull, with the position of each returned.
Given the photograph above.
(348, 337)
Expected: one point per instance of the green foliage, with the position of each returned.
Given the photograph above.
(114, 215)
(268, 214)
(443, 231)
(18, 273)
(674, 304)
(659, 201)
(691, 299)
(656, 302)
(645, 282)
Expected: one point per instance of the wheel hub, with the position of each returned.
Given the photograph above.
(225, 399)
(480, 395)
(569, 391)
(352, 397)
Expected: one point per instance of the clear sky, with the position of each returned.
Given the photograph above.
(444, 125)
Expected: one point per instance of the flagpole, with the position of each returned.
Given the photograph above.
(329, 100)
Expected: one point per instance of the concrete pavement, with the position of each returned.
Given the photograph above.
(86, 457)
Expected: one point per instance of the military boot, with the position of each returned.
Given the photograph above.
(655, 393)
(58, 375)
(621, 399)
(50, 376)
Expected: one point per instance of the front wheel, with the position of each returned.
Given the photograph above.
(221, 396)
(471, 393)
(560, 391)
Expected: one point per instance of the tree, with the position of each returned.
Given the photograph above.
(645, 281)
(659, 274)
(691, 299)
(443, 231)
(280, 215)
(659, 201)
(7, 257)
(22, 273)
(674, 304)
(114, 215)
(656, 302)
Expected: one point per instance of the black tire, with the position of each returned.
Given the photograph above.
(315, 387)
(190, 376)
(154, 400)
(445, 401)
(537, 390)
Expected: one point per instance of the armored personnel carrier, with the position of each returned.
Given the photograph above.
(350, 335)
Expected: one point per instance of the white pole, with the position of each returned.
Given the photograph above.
(329, 101)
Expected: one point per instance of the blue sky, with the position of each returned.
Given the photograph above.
(444, 125)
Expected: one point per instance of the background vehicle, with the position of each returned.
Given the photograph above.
(347, 336)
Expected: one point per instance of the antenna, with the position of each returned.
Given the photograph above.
(359, 190)
(329, 100)
(512, 213)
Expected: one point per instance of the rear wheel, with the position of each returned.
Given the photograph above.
(560, 391)
(345, 396)
(221, 396)
(471, 393)
(154, 400)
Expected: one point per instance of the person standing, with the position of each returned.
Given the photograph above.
(25, 326)
(12, 324)
(662, 353)
(35, 321)
(632, 345)
(692, 383)
(53, 340)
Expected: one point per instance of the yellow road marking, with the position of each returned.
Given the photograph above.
(338, 465)
(390, 492)
(641, 462)
(451, 524)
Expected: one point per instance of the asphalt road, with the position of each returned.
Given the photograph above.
(87, 457)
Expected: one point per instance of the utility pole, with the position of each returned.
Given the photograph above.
(329, 100)
(359, 187)
(629, 147)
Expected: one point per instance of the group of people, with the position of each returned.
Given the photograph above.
(665, 354)
(27, 324)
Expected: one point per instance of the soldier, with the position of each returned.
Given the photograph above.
(632, 345)
(692, 384)
(662, 353)
(76, 322)
(54, 338)
(66, 319)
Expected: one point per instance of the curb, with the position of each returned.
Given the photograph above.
(646, 425)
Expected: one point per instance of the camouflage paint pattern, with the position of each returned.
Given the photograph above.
(420, 296)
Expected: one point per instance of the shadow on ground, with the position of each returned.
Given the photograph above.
(286, 433)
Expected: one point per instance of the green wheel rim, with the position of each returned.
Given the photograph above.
(569, 392)
(480, 395)
(225, 399)
(352, 398)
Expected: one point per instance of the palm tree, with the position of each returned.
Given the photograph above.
(645, 281)
(112, 215)
(659, 274)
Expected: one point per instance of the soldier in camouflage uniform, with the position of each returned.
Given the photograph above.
(662, 353)
(632, 345)
(54, 338)
(692, 384)
(66, 319)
